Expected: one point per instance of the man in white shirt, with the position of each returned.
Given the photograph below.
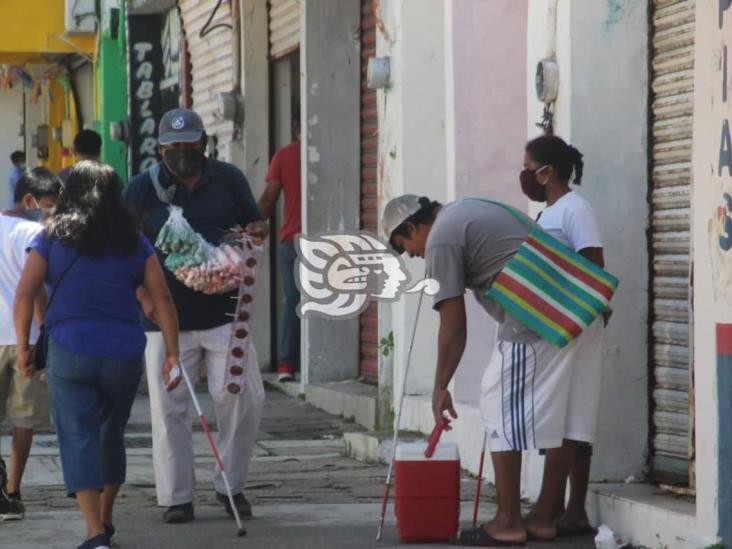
(24, 399)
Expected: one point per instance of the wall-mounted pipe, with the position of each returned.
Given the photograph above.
(551, 51)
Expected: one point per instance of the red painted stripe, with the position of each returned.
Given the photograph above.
(724, 339)
(575, 271)
(537, 302)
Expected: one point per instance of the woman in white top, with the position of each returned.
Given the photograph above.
(549, 163)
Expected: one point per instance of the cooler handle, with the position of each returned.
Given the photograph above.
(435, 437)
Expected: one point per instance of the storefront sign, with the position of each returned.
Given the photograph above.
(145, 105)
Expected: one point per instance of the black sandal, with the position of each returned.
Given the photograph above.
(566, 531)
(479, 537)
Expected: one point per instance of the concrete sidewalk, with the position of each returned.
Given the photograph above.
(305, 493)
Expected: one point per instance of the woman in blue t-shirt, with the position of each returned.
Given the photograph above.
(92, 257)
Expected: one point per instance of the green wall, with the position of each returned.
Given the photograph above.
(111, 82)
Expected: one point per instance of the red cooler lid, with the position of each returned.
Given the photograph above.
(414, 451)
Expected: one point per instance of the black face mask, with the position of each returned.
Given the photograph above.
(184, 162)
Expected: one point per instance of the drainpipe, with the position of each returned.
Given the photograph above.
(547, 72)
(234, 99)
(236, 43)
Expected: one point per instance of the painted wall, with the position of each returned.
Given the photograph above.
(251, 153)
(60, 108)
(83, 79)
(413, 157)
(31, 28)
(35, 115)
(486, 50)
(712, 177)
(11, 113)
(330, 92)
(111, 82)
(609, 105)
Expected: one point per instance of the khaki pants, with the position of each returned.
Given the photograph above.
(238, 416)
(29, 403)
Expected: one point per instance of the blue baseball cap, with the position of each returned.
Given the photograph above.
(180, 126)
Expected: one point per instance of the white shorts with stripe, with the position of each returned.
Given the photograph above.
(583, 406)
(528, 394)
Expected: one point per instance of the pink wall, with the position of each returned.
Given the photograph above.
(489, 57)
(489, 40)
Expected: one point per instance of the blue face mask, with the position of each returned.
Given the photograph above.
(35, 214)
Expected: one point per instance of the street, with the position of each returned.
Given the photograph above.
(305, 494)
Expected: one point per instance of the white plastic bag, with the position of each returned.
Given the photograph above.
(197, 263)
(605, 538)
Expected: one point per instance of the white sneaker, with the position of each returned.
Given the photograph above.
(285, 377)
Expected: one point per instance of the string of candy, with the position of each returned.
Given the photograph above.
(240, 343)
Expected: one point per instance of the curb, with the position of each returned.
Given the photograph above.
(376, 447)
(290, 389)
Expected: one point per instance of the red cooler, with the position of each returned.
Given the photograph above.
(427, 501)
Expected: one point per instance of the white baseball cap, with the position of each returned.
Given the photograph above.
(396, 212)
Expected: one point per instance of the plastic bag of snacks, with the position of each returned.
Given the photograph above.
(231, 265)
(197, 263)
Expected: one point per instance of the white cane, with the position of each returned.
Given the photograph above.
(398, 421)
(241, 531)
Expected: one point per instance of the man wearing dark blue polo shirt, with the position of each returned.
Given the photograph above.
(215, 197)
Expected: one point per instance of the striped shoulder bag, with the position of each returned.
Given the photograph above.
(550, 288)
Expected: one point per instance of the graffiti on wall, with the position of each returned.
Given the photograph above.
(725, 141)
(720, 224)
(720, 243)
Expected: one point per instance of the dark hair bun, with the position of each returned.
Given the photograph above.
(554, 151)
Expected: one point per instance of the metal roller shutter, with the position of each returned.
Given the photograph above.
(212, 62)
(369, 327)
(284, 27)
(672, 107)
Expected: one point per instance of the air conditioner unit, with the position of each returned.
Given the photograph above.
(80, 16)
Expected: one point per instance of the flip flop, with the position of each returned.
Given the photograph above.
(478, 537)
(565, 531)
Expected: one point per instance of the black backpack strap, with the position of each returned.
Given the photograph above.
(167, 195)
(60, 279)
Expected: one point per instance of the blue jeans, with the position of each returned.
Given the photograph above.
(290, 347)
(91, 400)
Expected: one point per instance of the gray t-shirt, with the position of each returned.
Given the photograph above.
(469, 243)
